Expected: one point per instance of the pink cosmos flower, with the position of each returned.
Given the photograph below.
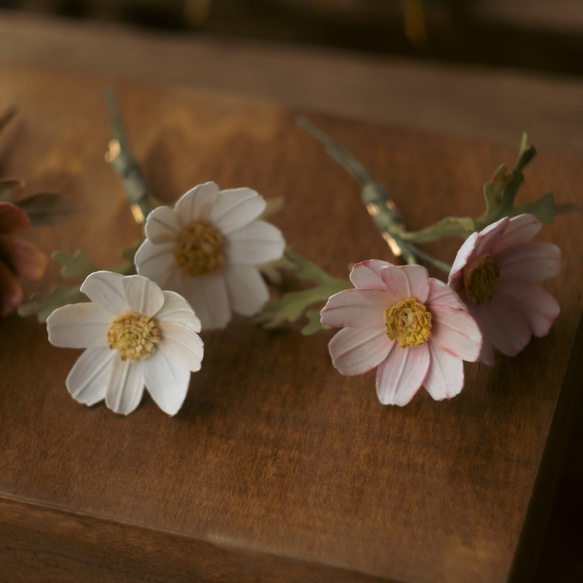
(412, 327)
(495, 274)
(19, 258)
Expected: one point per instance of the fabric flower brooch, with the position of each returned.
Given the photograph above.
(212, 255)
(135, 336)
(412, 327)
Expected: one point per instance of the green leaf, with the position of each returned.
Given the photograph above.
(545, 209)
(44, 303)
(10, 188)
(446, 227)
(76, 266)
(314, 325)
(47, 208)
(494, 190)
(293, 305)
(272, 270)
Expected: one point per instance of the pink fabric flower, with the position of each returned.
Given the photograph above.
(19, 259)
(412, 327)
(495, 274)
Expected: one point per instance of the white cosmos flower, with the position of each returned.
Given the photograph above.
(136, 336)
(207, 249)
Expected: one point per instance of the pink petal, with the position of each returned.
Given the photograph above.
(166, 381)
(406, 281)
(402, 373)
(357, 350)
(105, 289)
(236, 208)
(531, 261)
(156, 262)
(356, 308)
(256, 243)
(456, 332)
(126, 386)
(464, 255)
(367, 274)
(25, 258)
(197, 203)
(445, 378)
(489, 237)
(246, 288)
(443, 296)
(487, 353)
(162, 225)
(521, 229)
(538, 306)
(143, 295)
(208, 296)
(505, 327)
(89, 378)
(10, 290)
(79, 326)
(12, 218)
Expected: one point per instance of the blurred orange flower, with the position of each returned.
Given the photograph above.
(19, 258)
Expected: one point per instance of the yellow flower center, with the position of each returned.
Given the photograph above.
(199, 249)
(481, 278)
(134, 336)
(408, 322)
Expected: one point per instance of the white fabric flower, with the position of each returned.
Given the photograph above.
(136, 336)
(207, 249)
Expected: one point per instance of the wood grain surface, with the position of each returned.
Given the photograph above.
(486, 103)
(276, 467)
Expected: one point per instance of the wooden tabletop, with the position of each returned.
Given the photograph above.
(277, 468)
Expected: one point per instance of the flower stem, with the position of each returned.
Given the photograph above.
(120, 157)
(376, 200)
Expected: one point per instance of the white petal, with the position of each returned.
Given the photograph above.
(143, 295)
(456, 332)
(179, 327)
(183, 345)
(88, 379)
(79, 326)
(357, 350)
(520, 229)
(105, 288)
(208, 296)
(406, 281)
(156, 262)
(177, 310)
(445, 378)
(531, 261)
(356, 308)
(167, 382)
(256, 243)
(126, 386)
(247, 290)
(401, 374)
(236, 208)
(367, 274)
(162, 225)
(197, 203)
